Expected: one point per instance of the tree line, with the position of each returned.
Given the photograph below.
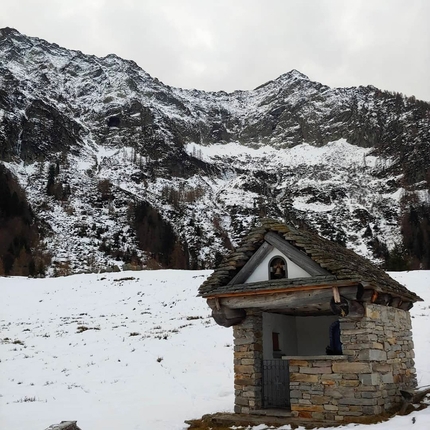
(20, 253)
(157, 237)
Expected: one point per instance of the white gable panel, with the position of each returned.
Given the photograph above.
(261, 272)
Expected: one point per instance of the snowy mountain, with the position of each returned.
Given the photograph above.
(121, 168)
(135, 350)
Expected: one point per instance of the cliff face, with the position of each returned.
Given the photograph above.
(209, 163)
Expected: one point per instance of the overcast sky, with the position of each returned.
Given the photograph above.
(241, 44)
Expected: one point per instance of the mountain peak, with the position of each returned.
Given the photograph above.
(8, 31)
(293, 74)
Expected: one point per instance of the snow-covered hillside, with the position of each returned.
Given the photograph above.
(134, 350)
(337, 187)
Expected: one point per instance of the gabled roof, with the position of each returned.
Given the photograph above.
(342, 265)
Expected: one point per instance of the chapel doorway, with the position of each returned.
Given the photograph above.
(276, 384)
(289, 336)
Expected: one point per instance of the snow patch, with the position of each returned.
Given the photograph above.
(135, 350)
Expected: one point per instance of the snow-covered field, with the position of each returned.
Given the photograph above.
(133, 350)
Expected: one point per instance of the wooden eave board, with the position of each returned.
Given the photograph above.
(273, 287)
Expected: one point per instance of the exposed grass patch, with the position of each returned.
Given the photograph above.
(127, 278)
(26, 400)
(83, 328)
(10, 341)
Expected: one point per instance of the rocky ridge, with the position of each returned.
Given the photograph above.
(341, 160)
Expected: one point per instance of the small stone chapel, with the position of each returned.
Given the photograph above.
(320, 333)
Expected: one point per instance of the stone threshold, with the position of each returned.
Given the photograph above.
(272, 412)
(225, 420)
(314, 357)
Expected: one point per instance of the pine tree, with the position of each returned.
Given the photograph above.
(51, 180)
(2, 271)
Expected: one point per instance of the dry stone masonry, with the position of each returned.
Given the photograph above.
(365, 381)
(248, 357)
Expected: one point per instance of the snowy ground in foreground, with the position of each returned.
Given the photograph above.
(136, 353)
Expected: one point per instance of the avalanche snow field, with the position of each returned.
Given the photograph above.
(134, 350)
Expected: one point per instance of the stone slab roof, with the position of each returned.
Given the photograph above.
(340, 262)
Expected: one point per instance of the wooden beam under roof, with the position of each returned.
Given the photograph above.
(284, 300)
(252, 264)
(254, 289)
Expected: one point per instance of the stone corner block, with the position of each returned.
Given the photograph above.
(370, 378)
(372, 355)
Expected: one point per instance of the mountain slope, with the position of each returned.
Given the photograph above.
(346, 161)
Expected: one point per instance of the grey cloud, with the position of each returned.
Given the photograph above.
(241, 44)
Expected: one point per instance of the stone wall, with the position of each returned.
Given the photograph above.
(383, 338)
(248, 356)
(333, 390)
(365, 381)
(378, 363)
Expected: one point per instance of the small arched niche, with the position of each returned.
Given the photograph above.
(278, 268)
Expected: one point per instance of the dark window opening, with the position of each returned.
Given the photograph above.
(335, 347)
(275, 341)
(277, 268)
